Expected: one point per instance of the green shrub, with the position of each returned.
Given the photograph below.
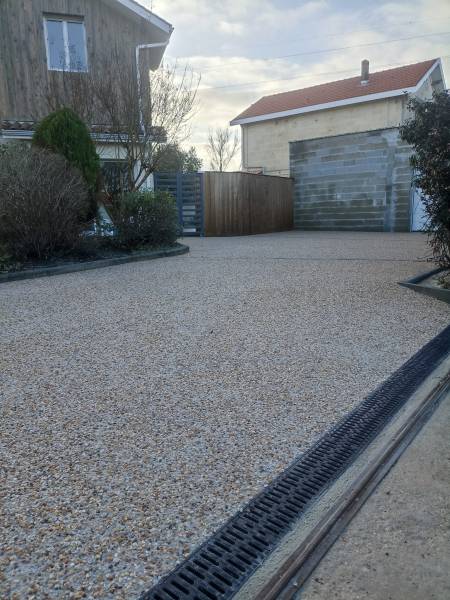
(7, 262)
(63, 132)
(170, 158)
(428, 132)
(145, 219)
(44, 203)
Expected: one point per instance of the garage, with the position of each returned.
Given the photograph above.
(357, 181)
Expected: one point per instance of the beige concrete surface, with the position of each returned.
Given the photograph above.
(398, 545)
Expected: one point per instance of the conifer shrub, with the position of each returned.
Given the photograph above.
(63, 132)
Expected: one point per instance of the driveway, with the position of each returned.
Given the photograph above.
(143, 404)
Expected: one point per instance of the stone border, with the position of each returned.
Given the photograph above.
(415, 283)
(73, 267)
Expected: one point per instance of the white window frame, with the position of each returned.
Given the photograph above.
(65, 21)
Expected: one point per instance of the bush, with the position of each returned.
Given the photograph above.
(144, 219)
(170, 158)
(63, 132)
(428, 132)
(43, 203)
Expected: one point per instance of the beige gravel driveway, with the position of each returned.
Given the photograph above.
(142, 404)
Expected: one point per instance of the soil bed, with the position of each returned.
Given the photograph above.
(104, 257)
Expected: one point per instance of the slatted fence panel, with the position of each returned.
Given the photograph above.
(244, 203)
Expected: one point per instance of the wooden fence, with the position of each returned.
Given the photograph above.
(243, 204)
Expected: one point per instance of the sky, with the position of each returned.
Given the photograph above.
(246, 49)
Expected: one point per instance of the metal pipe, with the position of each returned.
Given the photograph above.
(138, 76)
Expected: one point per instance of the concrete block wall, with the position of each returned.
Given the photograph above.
(357, 181)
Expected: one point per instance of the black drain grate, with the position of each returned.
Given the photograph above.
(218, 568)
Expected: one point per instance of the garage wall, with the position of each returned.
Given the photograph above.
(358, 181)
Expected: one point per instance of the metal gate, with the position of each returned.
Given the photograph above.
(187, 189)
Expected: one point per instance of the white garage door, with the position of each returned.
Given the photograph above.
(418, 214)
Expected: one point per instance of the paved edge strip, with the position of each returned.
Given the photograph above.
(415, 284)
(90, 265)
(295, 572)
(222, 564)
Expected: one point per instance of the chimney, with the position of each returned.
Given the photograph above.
(364, 72)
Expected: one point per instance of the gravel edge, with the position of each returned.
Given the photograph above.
(415, 284)
(93, 264)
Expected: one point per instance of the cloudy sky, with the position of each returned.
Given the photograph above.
(245, 49)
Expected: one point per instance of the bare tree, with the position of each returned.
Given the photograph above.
(72, 90)
(144, 116)
(222, 147)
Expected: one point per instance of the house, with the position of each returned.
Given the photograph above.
(340, 141)
(45, 43)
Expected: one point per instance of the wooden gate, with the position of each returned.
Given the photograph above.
(187, 189)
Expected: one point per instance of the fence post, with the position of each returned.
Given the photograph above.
(179, 183)
(202, 204)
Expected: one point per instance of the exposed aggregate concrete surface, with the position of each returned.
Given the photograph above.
(143, 404)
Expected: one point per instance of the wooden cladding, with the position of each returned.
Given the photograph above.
(244, 204)
(25, 80)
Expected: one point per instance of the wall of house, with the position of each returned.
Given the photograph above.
(433, 83)
(357, 181)
(24, 75)
(266, 144)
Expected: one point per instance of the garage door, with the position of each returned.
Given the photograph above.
(419, 217)
(358, 181)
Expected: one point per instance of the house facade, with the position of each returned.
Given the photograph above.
(46, 43)
(340, 141)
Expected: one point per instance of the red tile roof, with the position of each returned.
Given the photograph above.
(344, 89)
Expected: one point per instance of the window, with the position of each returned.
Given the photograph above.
(66, 44)
(114, 176)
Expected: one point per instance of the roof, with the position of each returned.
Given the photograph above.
(146, 14)
(13, 129)
(383, 84)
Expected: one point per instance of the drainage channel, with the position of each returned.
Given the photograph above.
(219, 567)
(287, 569)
